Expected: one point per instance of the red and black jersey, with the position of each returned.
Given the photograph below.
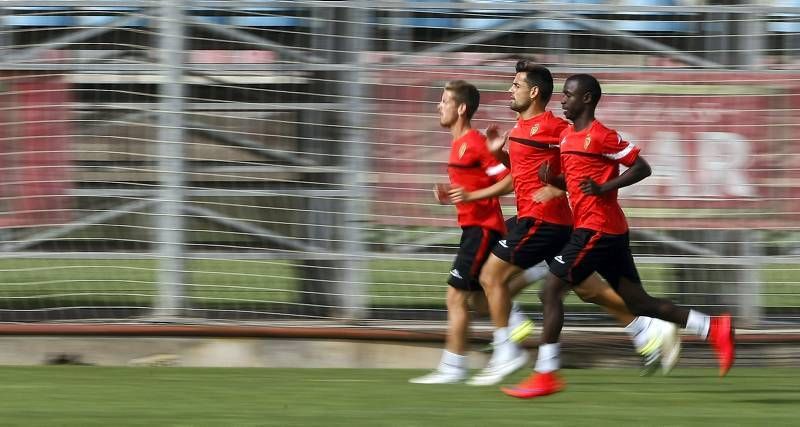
(531, 143)
(473, 167)
(595, 152)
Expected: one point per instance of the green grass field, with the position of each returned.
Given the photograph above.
(104, 396)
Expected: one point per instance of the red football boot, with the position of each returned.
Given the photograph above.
(538, 384)
(721, 337)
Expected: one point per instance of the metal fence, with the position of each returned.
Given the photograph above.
(271, 160)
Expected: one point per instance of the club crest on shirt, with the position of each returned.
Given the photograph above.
(535, 129)
(587, 141)
(462, 150)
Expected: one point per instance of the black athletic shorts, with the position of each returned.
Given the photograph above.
(530, 241)
(589, 251)
(476, 242)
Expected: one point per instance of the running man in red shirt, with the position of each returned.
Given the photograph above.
(542, 228)
(590, 157)
(476, 181)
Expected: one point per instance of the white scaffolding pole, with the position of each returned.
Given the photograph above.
(170, 223)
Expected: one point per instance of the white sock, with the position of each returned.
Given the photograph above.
(698, 323)
(547, 359)
(639, 330)
(535, 273)
(452, 362)
(516, 317)
(500, 335)
(504, 348)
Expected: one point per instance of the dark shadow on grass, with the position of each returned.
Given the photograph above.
(740, 390)
(737, 375)
(600, 383)
(682, 376)
(772, 401)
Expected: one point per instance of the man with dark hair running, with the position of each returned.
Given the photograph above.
(543, 227)
(590, 157)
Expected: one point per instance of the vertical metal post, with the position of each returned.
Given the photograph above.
(751, 32)
(169, 222)
(317, 275)
(716, 42)
(5, 34)
(748, 278)
(400, 33)
(351, 291)
(748, 300)
(557, 44)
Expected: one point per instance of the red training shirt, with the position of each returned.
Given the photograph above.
(595, 152)
(531, 143)
(473, 167)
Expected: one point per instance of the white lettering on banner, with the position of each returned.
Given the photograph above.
(671, 172)
(711, 164)
(722, 158)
